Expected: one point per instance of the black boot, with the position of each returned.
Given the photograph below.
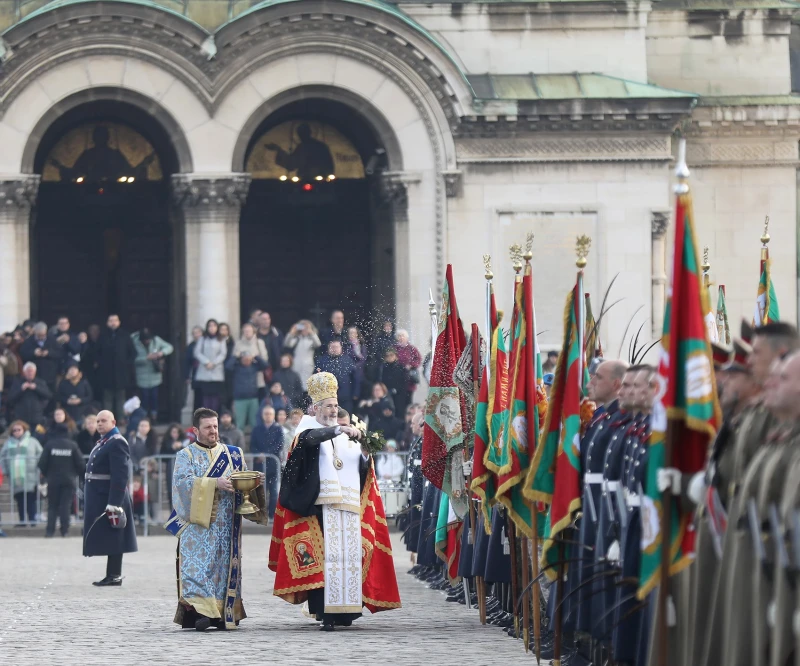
(327, 625)
(109, 581)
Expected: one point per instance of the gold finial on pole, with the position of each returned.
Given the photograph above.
(705, 267)
(765, 236)
(528, 247)
(515, 252)
(682, 170)
(582, 246)
(487, 266)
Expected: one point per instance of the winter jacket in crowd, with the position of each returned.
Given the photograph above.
(79, 389)
(245, 377)
(273, 341)
(214, 351)
(234, 436)
(47, 367)
(303, 347)
(61, 462)
(344, 370)
(29, 404)
(290, 383)
(87, 440)
(255, 348)
(19, 460)
(116, 356)
(150, 372)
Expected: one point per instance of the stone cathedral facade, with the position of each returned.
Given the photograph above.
(170, 158)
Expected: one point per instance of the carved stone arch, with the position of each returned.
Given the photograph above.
(360, 106)
(149, 106)
(79, 30)
(384, 29)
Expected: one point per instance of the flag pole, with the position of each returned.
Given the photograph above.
(516, 256)
(535, 594)
(434, 324)
(765, 238)
(476, 371)
(682, 187)
(488, 276)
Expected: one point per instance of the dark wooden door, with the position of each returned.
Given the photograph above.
(304, 254)
(98, 253)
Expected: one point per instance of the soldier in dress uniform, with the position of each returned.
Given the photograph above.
(621, 426)
(708, 491)
(783, 612)
(784, 402)
(604, 389)
(743, 613)
(750, 429)
(627, 621)
(108, 512)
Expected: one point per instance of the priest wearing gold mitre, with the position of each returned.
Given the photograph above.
(330, 541)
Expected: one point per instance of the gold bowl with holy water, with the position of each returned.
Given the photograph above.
(244, 482)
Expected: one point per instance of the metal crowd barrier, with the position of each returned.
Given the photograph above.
(39, 497)
(154, 473)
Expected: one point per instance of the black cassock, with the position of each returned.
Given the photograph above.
(300, 489)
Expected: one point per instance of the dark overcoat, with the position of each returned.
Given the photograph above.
(112, 460)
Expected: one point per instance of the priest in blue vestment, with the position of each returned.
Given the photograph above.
(209, 529)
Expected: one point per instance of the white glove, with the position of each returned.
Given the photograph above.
(613, 553)
(669, 478)
(467, 466)
(114, 509)
(697, 486)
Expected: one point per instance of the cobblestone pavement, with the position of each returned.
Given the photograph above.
(51, 614)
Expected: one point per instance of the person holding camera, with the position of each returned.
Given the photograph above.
(303, 340)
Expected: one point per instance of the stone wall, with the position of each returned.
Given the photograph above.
(512, 38)
(613, 202)
(724, 52)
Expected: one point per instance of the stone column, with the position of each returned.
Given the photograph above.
(211, 204)
(17, 196)
(659, 222)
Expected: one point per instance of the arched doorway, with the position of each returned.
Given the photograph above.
(102, 236)
(316, 234)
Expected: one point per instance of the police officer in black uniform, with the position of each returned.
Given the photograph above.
(108, 514)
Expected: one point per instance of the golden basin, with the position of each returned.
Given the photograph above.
(244, 482)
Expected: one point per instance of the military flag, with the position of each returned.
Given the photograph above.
(592, 334)
(687, 400)
(554, 474)
(491, 405)
(521, 427)
(723, 329)
(447, 542)
(443, 432)
(766, 310)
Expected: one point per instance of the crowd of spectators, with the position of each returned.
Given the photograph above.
(53, 381)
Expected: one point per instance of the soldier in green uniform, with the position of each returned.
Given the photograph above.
(770, 342)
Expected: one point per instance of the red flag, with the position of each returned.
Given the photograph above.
(443, 431)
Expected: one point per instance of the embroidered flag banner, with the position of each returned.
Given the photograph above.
(687, 398)
(443, 432)
(554, 475)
